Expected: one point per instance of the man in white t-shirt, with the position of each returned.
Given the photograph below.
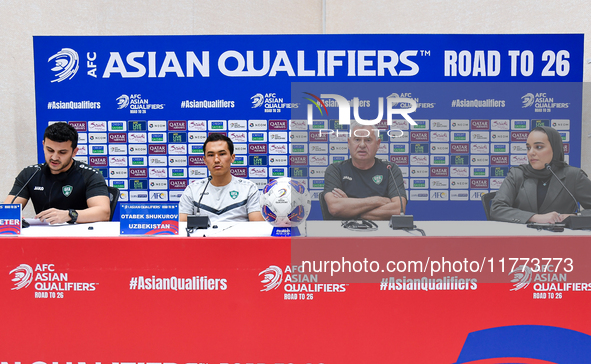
(222, 196)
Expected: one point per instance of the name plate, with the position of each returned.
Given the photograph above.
(149, 219)
(10, 219)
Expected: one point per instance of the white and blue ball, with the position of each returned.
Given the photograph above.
(285, 202)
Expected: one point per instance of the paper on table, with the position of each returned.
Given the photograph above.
(36, 222)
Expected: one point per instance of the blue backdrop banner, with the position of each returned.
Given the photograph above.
(143, 105)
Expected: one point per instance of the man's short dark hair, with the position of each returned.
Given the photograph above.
(62, 132)
(216, 137)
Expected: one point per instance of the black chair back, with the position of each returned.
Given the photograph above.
(113, 197)
(486, 202)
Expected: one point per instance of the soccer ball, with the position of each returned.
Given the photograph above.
(285, 202)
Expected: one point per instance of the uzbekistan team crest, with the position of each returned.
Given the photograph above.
(67, 190)
(234, 194)
(377, 179)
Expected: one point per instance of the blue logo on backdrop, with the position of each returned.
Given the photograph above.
(177, 137)
(298, 172)
(256, 160)
(459, 160)
(137, 125)
(422, 148)
(138, 184)
(499, 171)
(104, 172)
(128, 73)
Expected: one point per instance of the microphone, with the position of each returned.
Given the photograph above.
(202, 193)
(573, 222)
(25, 224)
(198, 221)
(401, 221)
(37, 169)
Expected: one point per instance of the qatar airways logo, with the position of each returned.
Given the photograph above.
(277, 124)
(257, 148)
(177, 184)
(499, 159)
(419, 136)
(196, 160)
(138, 172)
(241, 172)
(78, 125)
(177, 125)
(399, 159)
(345, 109)
(298, 160)
(318, 137)
(439, 172)
(479, 183)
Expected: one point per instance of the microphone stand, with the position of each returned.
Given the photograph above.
(402, 221)
(198, 221)
(577, 222)
(24, 223)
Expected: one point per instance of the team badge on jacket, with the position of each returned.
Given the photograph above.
(234, 194)
(378, 179)
(67, 190)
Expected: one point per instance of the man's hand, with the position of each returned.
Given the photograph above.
(374, 208)
(54, 216)
(338, 193)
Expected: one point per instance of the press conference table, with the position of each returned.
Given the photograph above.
(313, 229)
(239, 295)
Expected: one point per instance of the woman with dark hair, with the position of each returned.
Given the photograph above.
(530, 193)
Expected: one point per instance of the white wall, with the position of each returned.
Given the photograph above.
(22, 19)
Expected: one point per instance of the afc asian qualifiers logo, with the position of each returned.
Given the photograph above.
(272, 278)
(525, 344)
(66, 64)
(521, 277)
(257, 100)
(122, 102)
(23, 276)
(527, 99)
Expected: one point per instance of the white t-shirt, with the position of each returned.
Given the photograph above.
(232, 202)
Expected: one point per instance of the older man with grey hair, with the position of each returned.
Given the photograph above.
(362, 186)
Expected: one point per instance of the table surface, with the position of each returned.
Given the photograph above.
(312, 229)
